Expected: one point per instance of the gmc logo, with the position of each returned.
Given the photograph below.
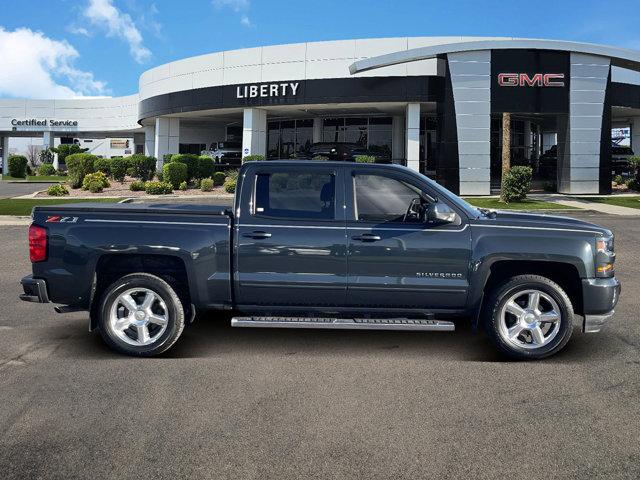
(537, 80)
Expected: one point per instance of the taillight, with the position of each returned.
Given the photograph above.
(37, 243)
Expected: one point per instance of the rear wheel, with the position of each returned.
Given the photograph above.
(529, 317)
(141, 315)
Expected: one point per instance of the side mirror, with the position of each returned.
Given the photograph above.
(439, 213)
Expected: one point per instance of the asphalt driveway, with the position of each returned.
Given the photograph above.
(255, 404)
(14, 189)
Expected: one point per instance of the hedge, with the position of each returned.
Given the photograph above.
(516, 184)
(143, 167)
(191, 161)
(18, 166)
(175, 173)
(118, 168)
(78, 166)
(205, 166)
(46, 169)
(102, 165)
(253, 158)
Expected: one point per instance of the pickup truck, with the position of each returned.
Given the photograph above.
(337, 245)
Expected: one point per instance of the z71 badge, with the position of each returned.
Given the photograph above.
(61, 219)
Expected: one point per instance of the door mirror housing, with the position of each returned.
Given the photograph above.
(439, 214)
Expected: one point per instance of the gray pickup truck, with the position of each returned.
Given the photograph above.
(336, 245)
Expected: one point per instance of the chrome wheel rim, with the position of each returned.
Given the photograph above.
(529, 319)
(138, 317)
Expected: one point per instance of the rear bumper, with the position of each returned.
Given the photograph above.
(35, 290)
(600, 298)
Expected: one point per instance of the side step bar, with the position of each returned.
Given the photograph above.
(344, 323)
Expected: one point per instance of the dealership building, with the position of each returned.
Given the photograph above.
(434, 104)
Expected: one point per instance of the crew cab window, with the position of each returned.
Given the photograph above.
(295, 195)
(383, 199)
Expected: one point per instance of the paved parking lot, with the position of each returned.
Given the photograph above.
(13, 189)
(243, 403)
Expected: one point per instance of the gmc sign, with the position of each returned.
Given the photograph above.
(537, 80)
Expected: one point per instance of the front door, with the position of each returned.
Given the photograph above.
(396, 259)
(290, 245)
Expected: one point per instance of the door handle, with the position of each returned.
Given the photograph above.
(257, 235)
(367, 237)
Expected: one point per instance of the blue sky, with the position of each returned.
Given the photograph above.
(66, 48)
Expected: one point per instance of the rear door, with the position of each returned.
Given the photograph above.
(397, 260)
(290, 237)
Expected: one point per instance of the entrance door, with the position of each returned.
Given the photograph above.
(395, 258)
(290, 246)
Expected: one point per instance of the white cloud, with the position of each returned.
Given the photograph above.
(35, 66)
(244, 21)
(235, 5)
(78, 31)
(103, 14)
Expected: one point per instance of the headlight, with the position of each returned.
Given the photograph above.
(605, 257)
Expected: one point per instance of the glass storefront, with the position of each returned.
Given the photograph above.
(286, 138)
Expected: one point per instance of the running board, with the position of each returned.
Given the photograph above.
(344, 323)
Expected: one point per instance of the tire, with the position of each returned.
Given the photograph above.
(522, 332)
(147, 327)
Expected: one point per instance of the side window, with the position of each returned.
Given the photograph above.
(295, 195)
(383, 199)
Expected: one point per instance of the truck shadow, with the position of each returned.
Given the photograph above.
(213, 336)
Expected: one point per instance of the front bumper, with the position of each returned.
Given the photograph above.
(600, 296)
(35, 290)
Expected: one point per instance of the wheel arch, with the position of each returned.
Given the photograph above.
(109, 267)
(565, 274)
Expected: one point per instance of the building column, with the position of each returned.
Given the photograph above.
(317, 130)
(412, 147)
(254, 132)
(150, 141)
(5, 155)
(635, 135)
(47, 142)
(397, 138)
(166, 138)
(579, 167)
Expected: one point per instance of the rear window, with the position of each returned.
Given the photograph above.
(295, 195)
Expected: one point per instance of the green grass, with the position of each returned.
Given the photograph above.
(23, 206)
(496, 204)
(36, 178)
(631, 202)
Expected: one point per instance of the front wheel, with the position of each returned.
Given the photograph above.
(141, 315)
(529, 317)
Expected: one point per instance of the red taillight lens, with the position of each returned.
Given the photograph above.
(37, 243)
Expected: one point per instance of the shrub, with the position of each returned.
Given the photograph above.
(550, 187)
(78, 166)
(158, 188)
(46, 156)
(618, 180)
(92, 179)
(65, 150)
(102, 165)
(633, 184)
(183, 186)
(17, 166)
(206, 185)
(516, 184)
(230, 185)
(365, 159)
(218, 178)
(191, 161)
(57, 190)
(252, 158)
(137, 186)
(94, 186)
(29, 170)
(205, 166)
(166, 158)
(160, 175)
(46, 169)
(320, 157)
(118, 168)
(634, 165)
(143, 167)
(175, 173)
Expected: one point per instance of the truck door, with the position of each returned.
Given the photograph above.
(396, 258)
(290, 237)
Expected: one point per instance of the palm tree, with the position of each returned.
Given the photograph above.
(506, 149)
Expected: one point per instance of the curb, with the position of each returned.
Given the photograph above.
(14, 221)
